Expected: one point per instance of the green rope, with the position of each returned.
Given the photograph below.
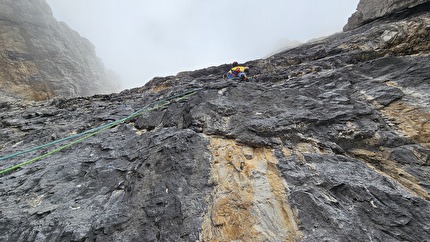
(49, 153)
(92, 132)
(192, 92)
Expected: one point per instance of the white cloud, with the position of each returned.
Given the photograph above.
(142, 39)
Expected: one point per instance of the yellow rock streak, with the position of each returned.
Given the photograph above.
(411, 121)
(249, 201)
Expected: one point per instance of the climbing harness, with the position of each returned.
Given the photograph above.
(87, 134)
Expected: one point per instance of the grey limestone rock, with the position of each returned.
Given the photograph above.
(369, 10)
(328, 141)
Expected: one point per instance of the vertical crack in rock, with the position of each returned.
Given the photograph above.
(249, 201)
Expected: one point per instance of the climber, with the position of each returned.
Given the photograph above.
(237, 71)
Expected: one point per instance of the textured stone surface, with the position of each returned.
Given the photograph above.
(41, 58)
(328, 141)
(369, 10)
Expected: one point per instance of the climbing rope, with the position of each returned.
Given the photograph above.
(89, 133)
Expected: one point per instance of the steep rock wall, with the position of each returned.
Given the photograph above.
(41, 58)
(327, 142)
(369, 10)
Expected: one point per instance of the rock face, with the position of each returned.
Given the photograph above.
(369, 10)
(41, 58)
(328, 141)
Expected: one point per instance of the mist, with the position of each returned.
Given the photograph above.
(143, 39)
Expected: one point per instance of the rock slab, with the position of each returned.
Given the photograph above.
(328, 141)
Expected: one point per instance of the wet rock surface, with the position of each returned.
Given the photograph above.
(328, 141)
(41, 58)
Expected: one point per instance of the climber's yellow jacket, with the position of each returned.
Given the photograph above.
(238, 69)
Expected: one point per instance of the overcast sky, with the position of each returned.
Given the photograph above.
(141, 39)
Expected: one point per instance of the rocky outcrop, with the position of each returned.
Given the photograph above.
(369, 10)
(41, 58)
(328, 141)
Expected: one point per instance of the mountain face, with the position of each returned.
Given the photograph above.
(328, 141)
(41, 58)
(369, 10)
